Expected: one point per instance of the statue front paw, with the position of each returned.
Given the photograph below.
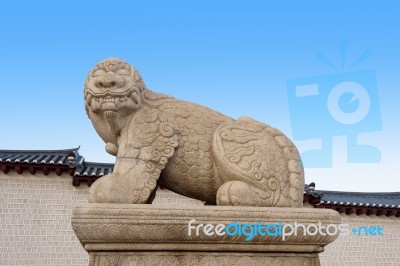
(113, 188)
(108, 189)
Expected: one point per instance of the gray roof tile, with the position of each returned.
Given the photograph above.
(94, 169)
(379, 199)
(57, 157)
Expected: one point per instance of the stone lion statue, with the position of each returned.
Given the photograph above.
(185, 147)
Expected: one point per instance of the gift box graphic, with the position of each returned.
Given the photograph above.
(322, 107)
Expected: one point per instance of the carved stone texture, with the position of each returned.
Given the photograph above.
(185, 147)
(201, 258)
(127, 234)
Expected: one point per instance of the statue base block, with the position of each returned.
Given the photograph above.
(120, 234)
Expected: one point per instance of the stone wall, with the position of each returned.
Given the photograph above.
(365, 250)
(35, 225)
(35, 218)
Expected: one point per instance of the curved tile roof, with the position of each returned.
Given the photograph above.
(367, 199)
(94, 169)
(56, 157)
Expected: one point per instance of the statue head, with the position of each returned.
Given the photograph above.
(113, 91)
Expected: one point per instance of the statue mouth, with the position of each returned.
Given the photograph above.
(111, 100)
(117, 92)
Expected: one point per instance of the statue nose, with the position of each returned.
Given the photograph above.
(107, 81)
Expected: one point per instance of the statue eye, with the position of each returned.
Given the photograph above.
(98, 72)
(123, 72)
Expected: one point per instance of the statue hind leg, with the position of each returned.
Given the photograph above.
(257, 166)
(239, 193)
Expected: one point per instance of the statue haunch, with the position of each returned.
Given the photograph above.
(185, 147)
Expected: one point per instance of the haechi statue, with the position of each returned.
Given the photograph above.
(185, 147)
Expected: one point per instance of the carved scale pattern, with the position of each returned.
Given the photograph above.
(266, 157)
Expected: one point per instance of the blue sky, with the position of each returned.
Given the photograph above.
(233, 56)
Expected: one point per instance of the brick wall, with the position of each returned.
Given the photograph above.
(35, 220)
(365, 250)
(35, 229)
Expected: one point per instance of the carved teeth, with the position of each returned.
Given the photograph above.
(123, 98)
(89, 99)
(133, 96)
(111, 99)
(108, 99)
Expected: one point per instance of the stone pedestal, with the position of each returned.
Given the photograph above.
(119, 234)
